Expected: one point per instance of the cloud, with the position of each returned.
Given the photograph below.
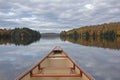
(57, 13)
(89, 6)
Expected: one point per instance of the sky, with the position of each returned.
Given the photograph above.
(57, 15)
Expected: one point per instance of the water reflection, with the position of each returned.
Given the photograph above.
(97, 42)
(103, 64)
(19, 40)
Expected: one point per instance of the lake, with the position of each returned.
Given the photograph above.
(103, 63)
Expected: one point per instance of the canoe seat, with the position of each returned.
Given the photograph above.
(56, 72)
(51, 70)
(57, 57)
(55, 75)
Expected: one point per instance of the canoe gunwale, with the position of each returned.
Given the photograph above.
(81, 70)
(30, 71)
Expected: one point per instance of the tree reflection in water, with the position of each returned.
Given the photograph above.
(19, 41)
(104, 42)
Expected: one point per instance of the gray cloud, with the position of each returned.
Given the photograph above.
(57, 14)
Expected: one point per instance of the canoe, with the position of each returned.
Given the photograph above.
(57, 65)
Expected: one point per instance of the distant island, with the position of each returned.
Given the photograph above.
(50, 35)
(19, 36)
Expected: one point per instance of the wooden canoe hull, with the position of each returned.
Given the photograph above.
(57, 65)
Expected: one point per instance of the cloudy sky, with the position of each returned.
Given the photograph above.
(57, 15)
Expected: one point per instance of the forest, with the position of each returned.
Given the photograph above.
(107, 30)
(19, 36)
(105, 35)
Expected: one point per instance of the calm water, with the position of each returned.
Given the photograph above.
(101, 63)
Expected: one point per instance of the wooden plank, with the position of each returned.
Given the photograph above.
(56, 68)
(57, 57)
(55, 75)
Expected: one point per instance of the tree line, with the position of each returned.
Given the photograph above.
(107, 30)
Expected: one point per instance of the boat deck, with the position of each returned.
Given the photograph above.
(57, 65)
(56, 68)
